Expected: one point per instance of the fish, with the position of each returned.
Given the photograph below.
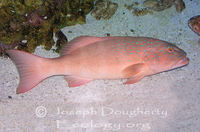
(87, 58)
(194, 24)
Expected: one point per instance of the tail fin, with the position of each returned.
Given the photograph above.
(29, 69)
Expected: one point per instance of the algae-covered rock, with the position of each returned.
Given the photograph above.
(138, 11)
(30, 23)
(160, 5)
(61, 39)
(104, 9)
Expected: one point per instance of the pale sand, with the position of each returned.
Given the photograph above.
(168, 101)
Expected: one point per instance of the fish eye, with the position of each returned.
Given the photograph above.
(170, 49)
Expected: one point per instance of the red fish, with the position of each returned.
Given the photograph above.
(194, 24)
(87, 58)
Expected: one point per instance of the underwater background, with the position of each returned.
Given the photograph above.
(168, 101)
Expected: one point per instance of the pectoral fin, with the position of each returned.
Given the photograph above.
(132, 70)
(76, 81)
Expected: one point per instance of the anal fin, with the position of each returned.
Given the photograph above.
(75, 81)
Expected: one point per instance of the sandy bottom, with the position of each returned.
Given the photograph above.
(165, 102)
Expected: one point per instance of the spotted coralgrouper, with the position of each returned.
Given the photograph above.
(87, 58)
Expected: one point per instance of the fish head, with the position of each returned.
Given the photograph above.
(195, 28)
(165, 57)
(194, 24)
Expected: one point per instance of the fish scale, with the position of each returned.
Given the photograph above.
(87, 58)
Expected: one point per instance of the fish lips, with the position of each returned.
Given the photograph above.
(182, 62)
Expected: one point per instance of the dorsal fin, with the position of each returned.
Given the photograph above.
(77, 43)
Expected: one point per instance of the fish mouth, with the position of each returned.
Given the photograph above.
(183, 62)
